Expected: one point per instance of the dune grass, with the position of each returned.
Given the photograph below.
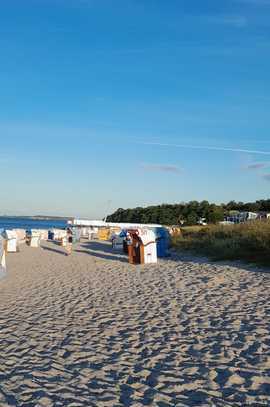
(248, 241)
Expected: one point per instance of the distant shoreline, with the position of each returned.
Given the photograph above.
(38, 217)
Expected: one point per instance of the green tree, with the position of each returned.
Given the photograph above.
(191, 219)
(215, 214)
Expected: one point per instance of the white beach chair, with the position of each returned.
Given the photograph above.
(2, 255)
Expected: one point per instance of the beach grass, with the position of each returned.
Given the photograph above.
(248, 241)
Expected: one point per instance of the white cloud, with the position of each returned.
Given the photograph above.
(161, 168)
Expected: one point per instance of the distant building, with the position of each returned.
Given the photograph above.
(263, 215)
(226, 222)
(242, 217)
(202, 222)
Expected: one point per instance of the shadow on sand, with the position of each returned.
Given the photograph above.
(102, 250)
(185, 256)
(102, 255)
(51, 249)
(99, 246)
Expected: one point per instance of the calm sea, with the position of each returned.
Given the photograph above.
(26, 223)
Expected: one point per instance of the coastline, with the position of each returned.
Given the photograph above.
(36, 217)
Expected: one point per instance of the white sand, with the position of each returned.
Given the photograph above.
(91, 330)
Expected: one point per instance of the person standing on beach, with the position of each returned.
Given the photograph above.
(69, 242)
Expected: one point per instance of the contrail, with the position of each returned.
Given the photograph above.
(234, 150)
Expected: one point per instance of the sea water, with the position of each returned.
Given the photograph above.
(29, 223)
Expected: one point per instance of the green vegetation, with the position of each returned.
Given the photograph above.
(247, 241)
(189, 213)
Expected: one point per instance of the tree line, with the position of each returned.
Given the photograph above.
(188, 213)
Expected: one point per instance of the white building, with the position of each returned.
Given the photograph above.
(242, 217)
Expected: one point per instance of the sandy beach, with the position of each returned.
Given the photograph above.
(92, 330)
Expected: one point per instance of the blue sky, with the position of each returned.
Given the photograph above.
(123, 103)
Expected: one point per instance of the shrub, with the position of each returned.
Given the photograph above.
(248, 241)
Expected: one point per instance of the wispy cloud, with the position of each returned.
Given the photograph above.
(210, 148)
(160, 168)
(257, 166)
(266, 177)
(231, 20)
